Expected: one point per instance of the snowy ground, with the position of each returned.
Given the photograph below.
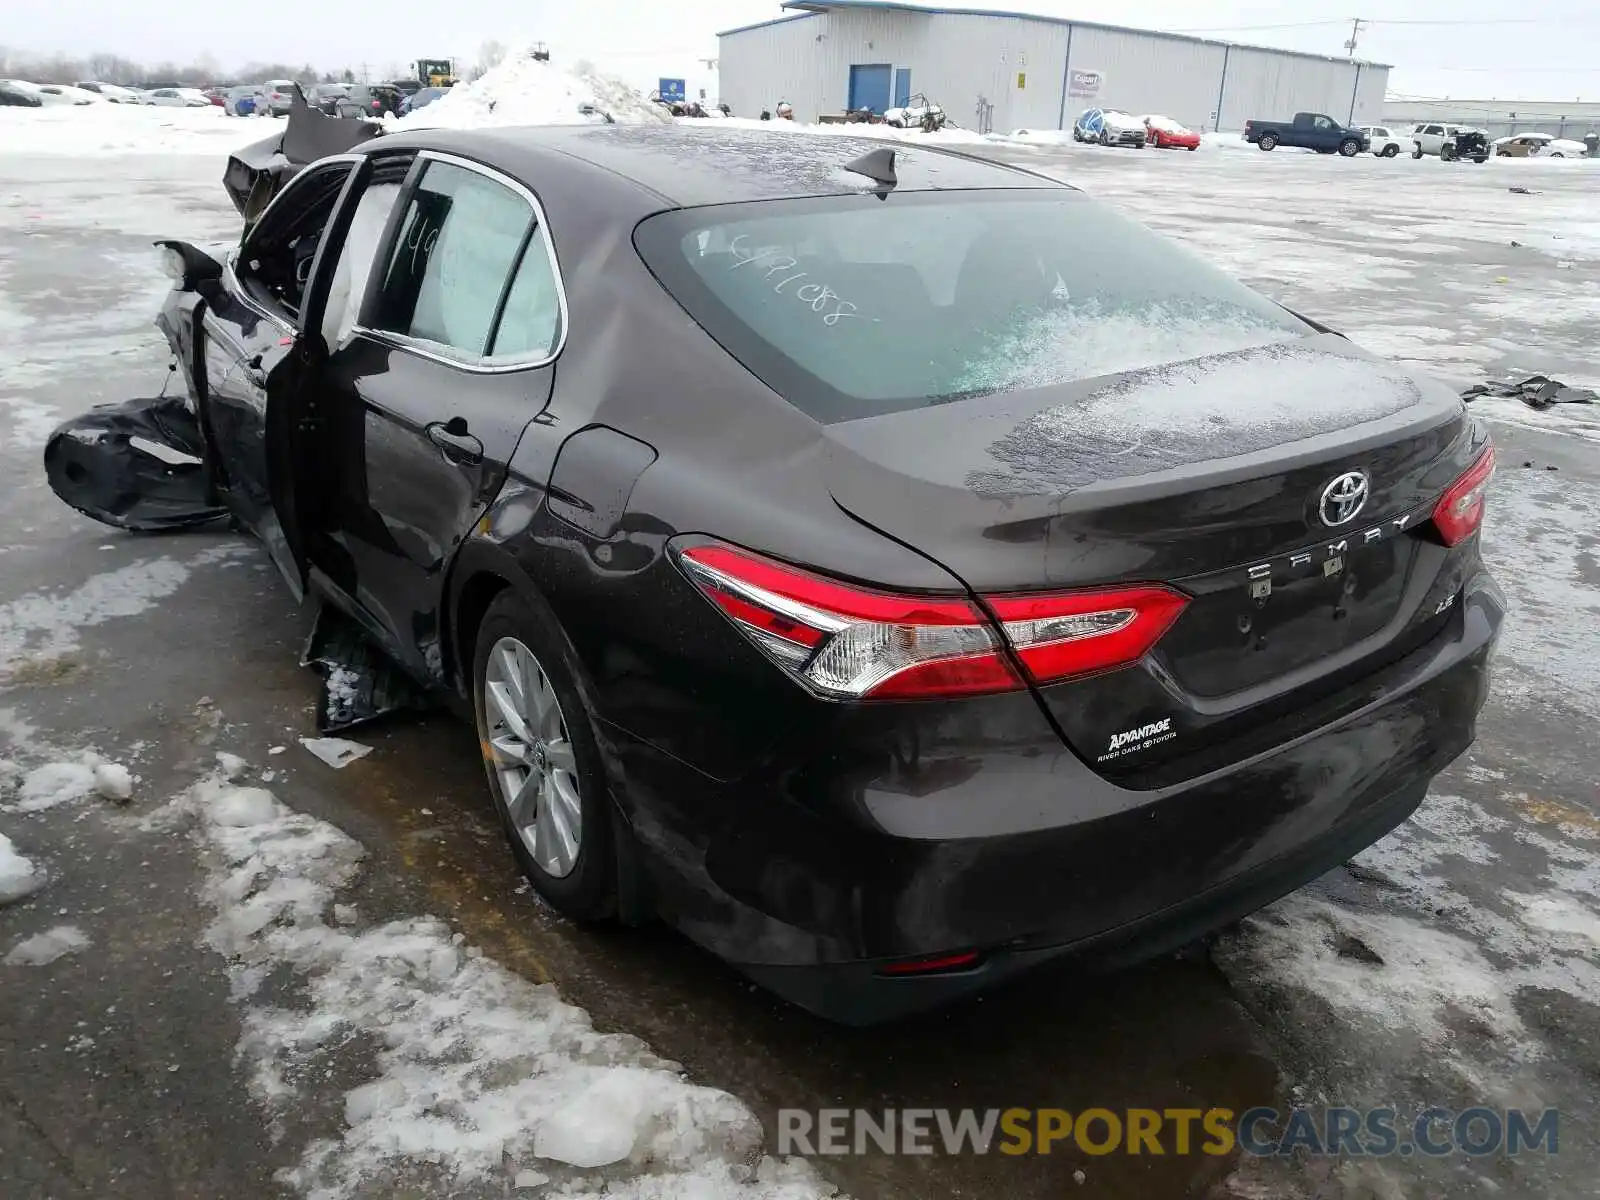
(230, 969)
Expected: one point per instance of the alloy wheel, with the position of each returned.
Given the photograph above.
(526, 742)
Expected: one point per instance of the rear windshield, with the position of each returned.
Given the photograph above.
(852, 306)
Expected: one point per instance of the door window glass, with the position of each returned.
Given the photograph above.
(275, 261)
(354, 268)
(459, 240)
(530, 325)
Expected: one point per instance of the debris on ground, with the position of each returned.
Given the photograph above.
(1536, 391)
(42, 949)
(336, 752)
(1522, 191)
(18, 876)
(359, 682)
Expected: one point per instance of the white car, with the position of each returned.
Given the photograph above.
(1109, 127)
(179, 97)
(62, 93)
(112, 92)
(1538, 145)
(1385, 144)
(279, 94)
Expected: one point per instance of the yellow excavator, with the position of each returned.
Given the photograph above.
(436, 72)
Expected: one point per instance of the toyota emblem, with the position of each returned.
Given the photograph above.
(1344, 497)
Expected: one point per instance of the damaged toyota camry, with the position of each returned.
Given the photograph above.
(892, 568)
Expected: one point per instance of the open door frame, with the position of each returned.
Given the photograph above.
(299, 458)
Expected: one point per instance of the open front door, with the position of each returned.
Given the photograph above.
(299, 456)
(263, 345)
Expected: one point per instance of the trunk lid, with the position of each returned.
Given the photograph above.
(1214, 475)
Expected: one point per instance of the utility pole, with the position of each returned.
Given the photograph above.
(1355, 28)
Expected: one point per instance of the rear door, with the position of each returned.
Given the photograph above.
(428, 385)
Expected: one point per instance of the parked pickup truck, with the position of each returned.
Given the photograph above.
(1314, 131)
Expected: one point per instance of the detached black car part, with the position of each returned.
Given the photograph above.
(257, 173)
(138, 465)
(891, 611)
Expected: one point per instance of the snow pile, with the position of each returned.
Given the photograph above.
(523, 91)
(18, 876)
(1393, 975)
(1235, 141)
(127, 129)
(474, 1075)
(1573, 420)
(42, 949)
(1041, 137)
(57, 783)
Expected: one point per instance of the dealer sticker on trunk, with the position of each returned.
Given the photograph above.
(1131, 741)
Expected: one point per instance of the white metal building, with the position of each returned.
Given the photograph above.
(1035, 72)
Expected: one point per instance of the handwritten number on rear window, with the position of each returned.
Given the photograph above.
(818, 297)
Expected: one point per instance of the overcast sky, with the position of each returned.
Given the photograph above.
(1533, 49)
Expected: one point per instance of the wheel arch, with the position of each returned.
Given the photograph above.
(483, 571)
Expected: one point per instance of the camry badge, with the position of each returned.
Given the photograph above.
(1344, 497)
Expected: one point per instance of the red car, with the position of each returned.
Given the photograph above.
(1166, 134)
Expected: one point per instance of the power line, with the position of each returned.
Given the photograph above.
(1252, 28)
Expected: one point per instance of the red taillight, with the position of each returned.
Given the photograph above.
(1078, 633)
(848, 642)
(931, 966)
(1459, 513)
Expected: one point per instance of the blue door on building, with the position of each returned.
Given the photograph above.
(902, 86)
(869, 86)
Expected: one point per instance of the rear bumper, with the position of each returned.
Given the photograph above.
(985, 837)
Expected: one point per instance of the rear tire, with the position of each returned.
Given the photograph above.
(535, 728)
(1557, 154)
(1390, 151)
(1268, 141)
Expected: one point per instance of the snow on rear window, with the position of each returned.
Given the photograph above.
(853, 306)
(1071, 340)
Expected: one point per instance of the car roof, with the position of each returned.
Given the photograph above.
(693, 165)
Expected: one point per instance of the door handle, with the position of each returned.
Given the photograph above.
(454, 442)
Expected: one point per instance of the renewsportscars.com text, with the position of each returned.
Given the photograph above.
(1345, 1132)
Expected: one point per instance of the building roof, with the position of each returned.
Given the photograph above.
(811, 8)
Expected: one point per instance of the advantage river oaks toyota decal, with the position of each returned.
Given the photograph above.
(1142, 738)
